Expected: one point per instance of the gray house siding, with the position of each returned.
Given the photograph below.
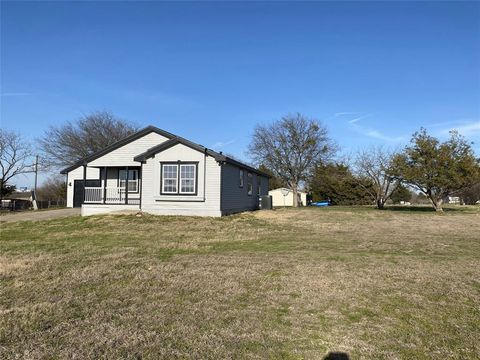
(264, 185)
(235, 198)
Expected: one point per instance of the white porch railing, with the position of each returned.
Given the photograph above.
(113, 195)
(93, 194)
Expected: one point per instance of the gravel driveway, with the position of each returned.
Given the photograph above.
(39, 215)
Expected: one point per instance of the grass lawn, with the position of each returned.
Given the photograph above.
(287, 284)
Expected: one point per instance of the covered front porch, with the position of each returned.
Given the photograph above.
(114, 186)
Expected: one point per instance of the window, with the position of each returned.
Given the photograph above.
(259, 190)
(249, 184)
(180, 178)
(169, 177)
(132, 183)
(187, 179)
(241, 178)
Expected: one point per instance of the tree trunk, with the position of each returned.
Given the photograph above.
(295, 195)
(299, 200)
(437, 204)
(380, 204)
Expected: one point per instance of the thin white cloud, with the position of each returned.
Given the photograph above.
(15, 94)
(351, 116)
(357, 119)
(345, 113)
(466, 129)
(445, 123)
(377, 134)
(353, 121)
(221, 144)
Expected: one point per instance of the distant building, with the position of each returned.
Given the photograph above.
(17, 201)
(453, 200)
(284, 197)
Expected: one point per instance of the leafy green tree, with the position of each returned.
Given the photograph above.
(437, 169)
(419, 198)
(471, 194)
(401, 193)
(337, 183)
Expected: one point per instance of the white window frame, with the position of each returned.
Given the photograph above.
(178, 178)
(169, 178)
(241, 178)
(249, 184)
(194, 179)
(125, 183)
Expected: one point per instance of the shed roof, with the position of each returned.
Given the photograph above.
(19, 195)
(284, 188)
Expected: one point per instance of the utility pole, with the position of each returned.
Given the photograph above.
(36, 173)
(34, 197)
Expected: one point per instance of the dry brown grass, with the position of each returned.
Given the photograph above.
(273, 284)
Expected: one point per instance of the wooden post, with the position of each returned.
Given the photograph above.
(104, 184)
(126, 186)
(36, 174)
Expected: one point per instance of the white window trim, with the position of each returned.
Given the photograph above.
(165, 178)
(194, 180)
(127, 181)
(249, 184)
(179, 178)
(241, 178)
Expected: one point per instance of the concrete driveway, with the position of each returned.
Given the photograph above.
(39, 215)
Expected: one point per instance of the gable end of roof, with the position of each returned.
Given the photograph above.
(117, 145)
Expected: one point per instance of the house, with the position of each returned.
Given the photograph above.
(452, 200)
(160, 173)
(284, 197)
(17, 200)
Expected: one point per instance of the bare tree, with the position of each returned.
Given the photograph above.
(15, 156)
(54, 188)
(66, 144)
(375, 165)
(291, 147)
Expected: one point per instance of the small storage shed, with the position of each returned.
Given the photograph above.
(284, 197)
(17, 201)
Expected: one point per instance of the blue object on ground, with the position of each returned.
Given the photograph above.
(320, 203)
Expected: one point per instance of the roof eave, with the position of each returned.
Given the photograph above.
(116, 145)
(172, 140)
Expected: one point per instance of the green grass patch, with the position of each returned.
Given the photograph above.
(288, 283)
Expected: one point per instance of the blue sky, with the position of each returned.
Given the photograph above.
(373, 72)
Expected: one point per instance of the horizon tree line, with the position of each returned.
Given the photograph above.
(296, 150)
